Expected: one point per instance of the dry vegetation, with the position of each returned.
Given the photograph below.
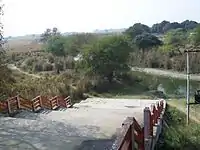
(22, 45)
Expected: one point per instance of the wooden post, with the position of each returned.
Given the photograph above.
(57, 101)
(18, 102)
(9, 109)
(33, 108)
(146, 122)
(132, 136)
(40, 100)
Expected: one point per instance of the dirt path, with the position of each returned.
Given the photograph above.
(13, 67)
(166, 73)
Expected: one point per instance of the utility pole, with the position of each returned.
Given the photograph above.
(188, 88)
(188, 83)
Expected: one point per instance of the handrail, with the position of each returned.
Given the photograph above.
(124, 135)
(151, 117)
(18, 102)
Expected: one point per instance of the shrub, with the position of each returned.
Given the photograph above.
(37, 67)
(47, 67)
(50, 58)
(69, 63)
(59, 66)
(29, 61)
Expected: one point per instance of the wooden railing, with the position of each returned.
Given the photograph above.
(64, 102)
(133, 136)
(36, 104)
(16, 103)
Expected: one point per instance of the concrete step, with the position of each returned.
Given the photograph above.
(21, 134)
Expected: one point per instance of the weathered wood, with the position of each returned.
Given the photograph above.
(123, 141)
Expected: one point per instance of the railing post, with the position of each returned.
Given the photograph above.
(57, 101)
(40, 100)
(132, 136)
(33, 108)
(18, 102)
(147, 128)
(8, 104)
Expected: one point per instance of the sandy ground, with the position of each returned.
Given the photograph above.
(91, 125)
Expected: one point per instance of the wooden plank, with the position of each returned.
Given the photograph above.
(123, 141)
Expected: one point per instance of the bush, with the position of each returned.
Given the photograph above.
(69, 63)
(29, 61)
(59, 66)
(47, 67)
(37, 67)
(179, 136)
(50, 58)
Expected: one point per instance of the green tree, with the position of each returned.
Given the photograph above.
(108, 57)
(137, 29)
(6, 79)
(196, 36)
(48, 34)
(74, 43)
(56, 45)
(176, 37)
(146, 41)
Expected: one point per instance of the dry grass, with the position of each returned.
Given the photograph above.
(20, 46)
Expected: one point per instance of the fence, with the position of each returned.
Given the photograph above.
(133, 136)
(16, 103)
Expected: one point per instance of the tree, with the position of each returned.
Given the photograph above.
(176, 37)
(48, 34)
(189, 24)
(74, 43)
(137, 29)
(108, 56)
(56, 45)
(158, 28)
(196, 36)
(146, 40)
(6, 79)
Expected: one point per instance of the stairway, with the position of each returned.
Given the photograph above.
(90, 125)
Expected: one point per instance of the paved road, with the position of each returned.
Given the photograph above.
(91, 125)
(166, 73)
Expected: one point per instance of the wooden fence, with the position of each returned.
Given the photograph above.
(16, 103)
(133, 136)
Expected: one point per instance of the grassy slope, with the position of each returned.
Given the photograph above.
(180, 104)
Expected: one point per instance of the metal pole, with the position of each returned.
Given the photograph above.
(188, 88)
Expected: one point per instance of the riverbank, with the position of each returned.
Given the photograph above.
(176, 134)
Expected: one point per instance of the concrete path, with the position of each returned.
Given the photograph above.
(90, 125)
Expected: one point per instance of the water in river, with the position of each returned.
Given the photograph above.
(168, 85)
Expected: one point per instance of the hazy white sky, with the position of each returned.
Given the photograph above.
(34, 16)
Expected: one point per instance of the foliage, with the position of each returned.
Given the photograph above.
(196, 36)
(48, 34)
(137, 29)
(74, 43)
(6, 79)
(165, 26)
(179, 136)
(108, 56)
(147, 40)
(56, 45)
(159, 27)
(176, 37)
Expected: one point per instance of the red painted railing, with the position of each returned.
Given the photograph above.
(15, 103)
(132, 135)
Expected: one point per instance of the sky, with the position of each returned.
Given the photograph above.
(23, 17)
